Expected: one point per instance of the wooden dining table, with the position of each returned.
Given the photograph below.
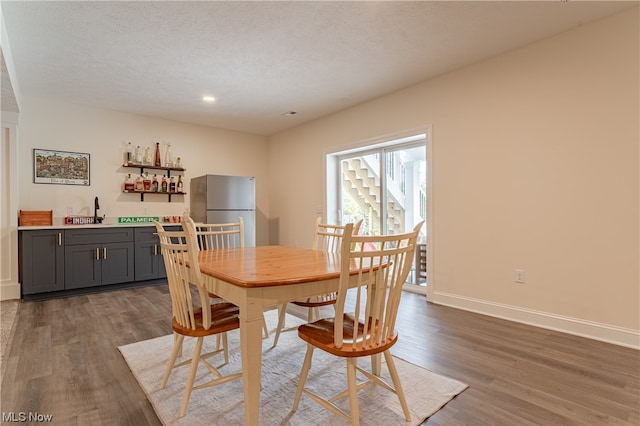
(255, 278)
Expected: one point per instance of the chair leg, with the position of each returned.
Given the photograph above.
(265, 330)
(175, 338)
(282, 310)
(225, 347)
(177, 347)
(192, 375)
(353, 391)
(397, 385)
(306, 366)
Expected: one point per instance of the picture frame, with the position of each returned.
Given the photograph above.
(61, 167)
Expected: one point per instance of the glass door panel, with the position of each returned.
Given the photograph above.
(387, 189)
(405, 201)
(361, 192)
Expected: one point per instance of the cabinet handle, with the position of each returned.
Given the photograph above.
(97, 254)
(59, 238)
(104, 253)
(155, 249)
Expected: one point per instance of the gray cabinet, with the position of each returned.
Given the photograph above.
(66, 261)
(41, 257)
(149, 264)
(98, 256)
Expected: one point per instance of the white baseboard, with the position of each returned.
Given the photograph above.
(9, 290)
(598, 331)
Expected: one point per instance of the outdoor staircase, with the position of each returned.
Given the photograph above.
(363, 184)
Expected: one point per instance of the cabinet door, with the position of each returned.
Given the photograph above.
(82, 266)
(117, 263)
(149, 262)
(41, 261)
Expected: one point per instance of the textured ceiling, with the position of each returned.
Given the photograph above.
(262, 59)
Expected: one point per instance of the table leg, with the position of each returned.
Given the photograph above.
(251, 352)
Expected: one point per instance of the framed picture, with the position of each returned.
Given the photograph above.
(61, 167)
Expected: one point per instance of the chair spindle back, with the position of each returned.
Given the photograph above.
(328, 237)
(180, 254)
(383, 264)
(213, 236)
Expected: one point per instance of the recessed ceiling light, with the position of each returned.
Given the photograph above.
(208, 98)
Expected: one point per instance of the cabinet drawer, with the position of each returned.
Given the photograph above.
(148, 233)
(98, 236)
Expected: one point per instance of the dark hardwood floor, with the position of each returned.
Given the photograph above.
(64, 361)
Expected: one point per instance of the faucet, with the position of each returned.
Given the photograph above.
(96, 207)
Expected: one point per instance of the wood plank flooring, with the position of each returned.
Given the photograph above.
(64, 361)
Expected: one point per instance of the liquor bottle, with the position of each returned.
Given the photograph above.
(180, 185)
(168, 157)
(154, 183)
(129, 185)
(138, 159)
(146, 182)
(158, 162)
(147, 156)
(128, 157)
(172, 184)
(139, 183)
(164, 184)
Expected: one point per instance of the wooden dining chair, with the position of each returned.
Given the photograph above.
(214, 236)
(191, 319)
(328, 238)
(379, 265)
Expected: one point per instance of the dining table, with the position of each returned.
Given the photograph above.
(255, 278)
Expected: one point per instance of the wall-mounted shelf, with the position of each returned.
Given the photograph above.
(144, 167)
(154, 192)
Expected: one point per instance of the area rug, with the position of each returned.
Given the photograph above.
(426, 392)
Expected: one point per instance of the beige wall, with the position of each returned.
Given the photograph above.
(535, 166)
(48, 124)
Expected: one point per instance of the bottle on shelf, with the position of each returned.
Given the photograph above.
(139, 183)
(147, 156)
(158, 161)
(168, 157)
(154, 183)
(146, 181)
(178, 164)
(180, 185)
(164, 184)
(129, 185)
(138, 158)
(172, 184)
(129, 155)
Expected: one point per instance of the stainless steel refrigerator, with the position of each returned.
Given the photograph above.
(223, 199)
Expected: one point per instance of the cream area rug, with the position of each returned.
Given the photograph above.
(426, 392)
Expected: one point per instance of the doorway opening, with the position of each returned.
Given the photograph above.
(385, 182)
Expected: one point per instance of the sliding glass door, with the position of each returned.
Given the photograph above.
(386, 187)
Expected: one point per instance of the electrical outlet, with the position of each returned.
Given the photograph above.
(69, 210)
(519, 276)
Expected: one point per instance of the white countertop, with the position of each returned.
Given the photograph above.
(108, 224)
